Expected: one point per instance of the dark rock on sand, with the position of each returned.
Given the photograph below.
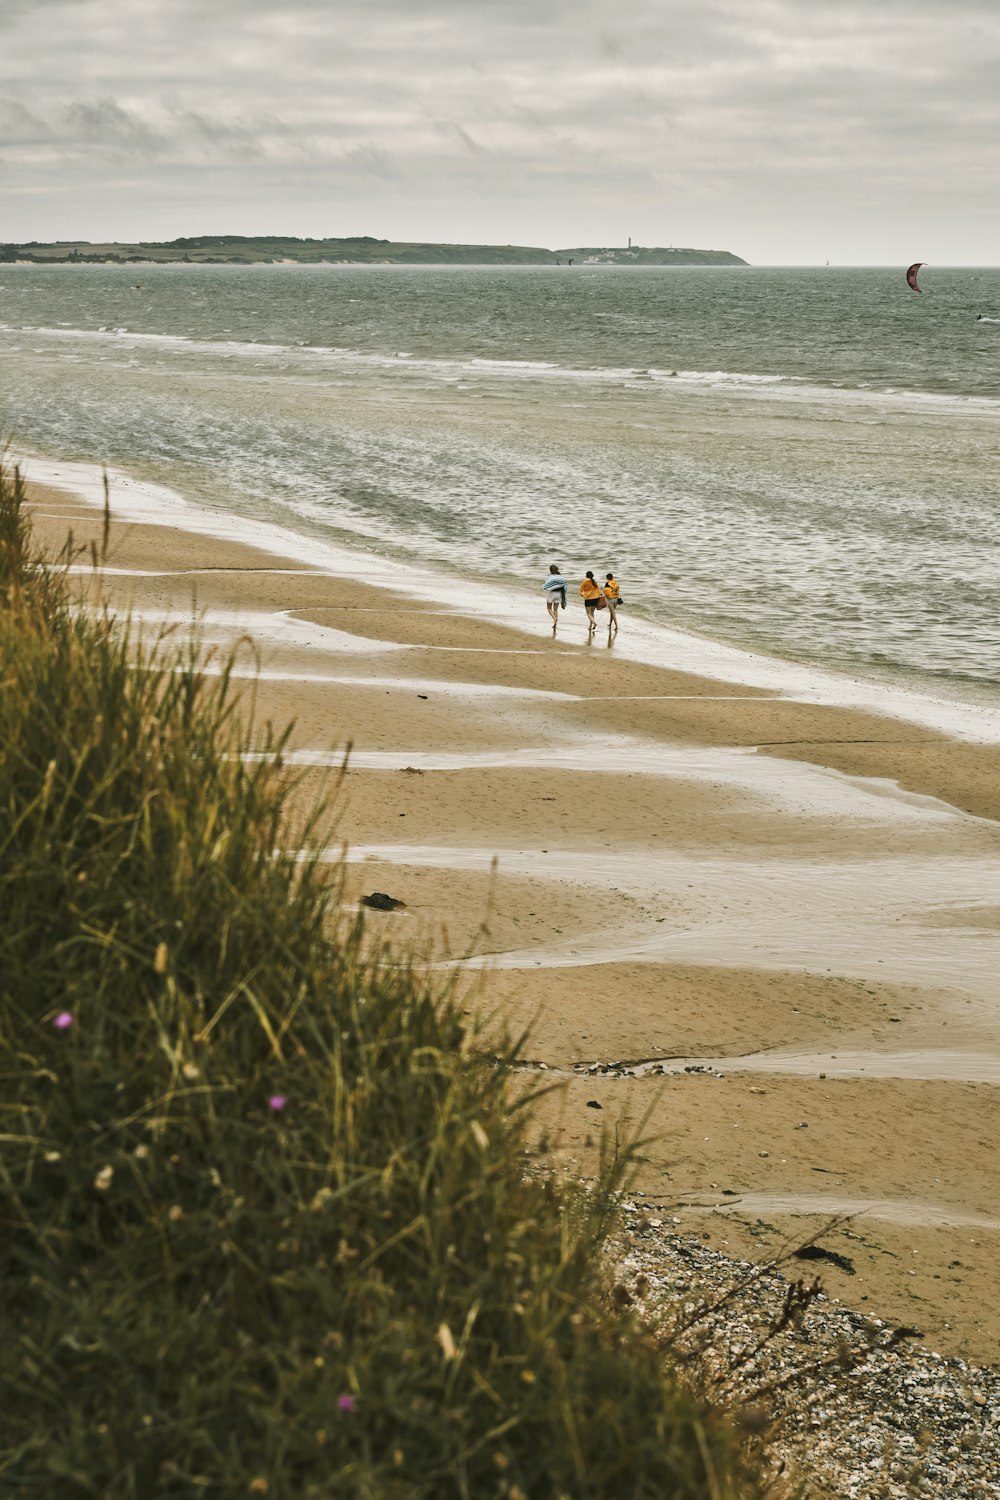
(381, 902)
(816, 1252)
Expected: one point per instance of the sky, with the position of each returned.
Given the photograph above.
(791, 132)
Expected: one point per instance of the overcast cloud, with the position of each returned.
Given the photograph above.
(785, 130)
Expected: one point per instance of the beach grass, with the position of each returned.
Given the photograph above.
(266, 1224)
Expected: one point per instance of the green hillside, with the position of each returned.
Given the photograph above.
(639, 255)
(222, 249)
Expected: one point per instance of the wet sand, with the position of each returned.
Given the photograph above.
(654, 870)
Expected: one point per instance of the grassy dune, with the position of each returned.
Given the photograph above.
(265, 1222)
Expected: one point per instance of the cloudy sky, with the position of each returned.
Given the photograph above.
(789, 131)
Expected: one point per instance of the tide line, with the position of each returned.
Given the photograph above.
(797, 788)
(916, 1064)
(643, 641)
(861, 918)
(891, 1211)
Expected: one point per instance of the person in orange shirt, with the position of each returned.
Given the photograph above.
(593, 599)
(613, 595)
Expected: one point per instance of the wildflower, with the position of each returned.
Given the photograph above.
(64, 1020)
(175, 1213)
(103, 1179)
(141, 1152)
(259, 1487)
(191, 1071)
(346, 1403)
(277, 1102)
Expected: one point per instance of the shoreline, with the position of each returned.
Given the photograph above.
(462, 725)
(647, 643)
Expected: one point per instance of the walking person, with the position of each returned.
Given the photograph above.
(555, 594)
(593, 599)
(613, 595)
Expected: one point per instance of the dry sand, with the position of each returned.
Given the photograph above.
(663, 889)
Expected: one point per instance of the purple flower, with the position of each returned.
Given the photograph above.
(346, 1403)
(64, 1020)
(277, 1102)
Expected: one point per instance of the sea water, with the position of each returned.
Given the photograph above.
(800, 462)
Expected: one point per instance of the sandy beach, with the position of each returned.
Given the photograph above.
(649, 871)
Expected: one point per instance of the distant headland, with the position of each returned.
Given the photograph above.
(268, 249)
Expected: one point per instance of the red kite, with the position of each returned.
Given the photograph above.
(911, 276)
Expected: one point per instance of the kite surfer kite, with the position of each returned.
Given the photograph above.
(911, 276)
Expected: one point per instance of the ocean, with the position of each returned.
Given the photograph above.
(804, 463)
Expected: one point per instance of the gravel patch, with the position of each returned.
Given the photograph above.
(861, 1410)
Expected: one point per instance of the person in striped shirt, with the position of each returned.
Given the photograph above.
(555, 594)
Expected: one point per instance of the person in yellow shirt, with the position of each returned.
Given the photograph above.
(593, 599)
(612, 594)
